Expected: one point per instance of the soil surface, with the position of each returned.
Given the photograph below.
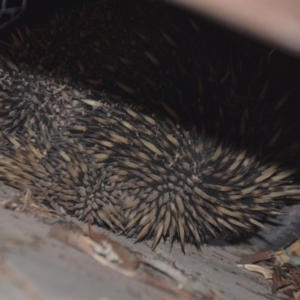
(33, 265)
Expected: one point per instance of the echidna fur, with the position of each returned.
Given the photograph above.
(115, 114)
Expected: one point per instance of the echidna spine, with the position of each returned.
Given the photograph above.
(145, 137)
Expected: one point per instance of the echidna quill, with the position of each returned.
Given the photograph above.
(112, 113)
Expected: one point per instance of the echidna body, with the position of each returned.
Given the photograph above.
(100, 125)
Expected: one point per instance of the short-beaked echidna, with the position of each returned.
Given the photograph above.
(114, 112)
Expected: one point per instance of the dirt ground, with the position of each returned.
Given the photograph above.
(34, 265)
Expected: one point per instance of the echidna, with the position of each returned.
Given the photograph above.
(114, 112)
